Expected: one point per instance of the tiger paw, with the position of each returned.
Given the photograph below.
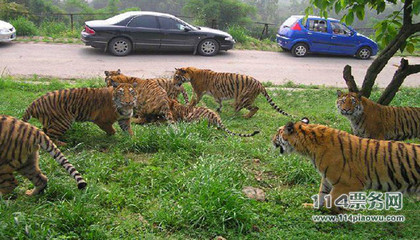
(308, 205)
(60, 143)
(29, 192)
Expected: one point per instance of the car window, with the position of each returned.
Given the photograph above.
(171, 24)
(144, 22)
(339, 29)
(317, 25)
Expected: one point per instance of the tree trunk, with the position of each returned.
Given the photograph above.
(403, 71)
(379, 63)
(351, 84)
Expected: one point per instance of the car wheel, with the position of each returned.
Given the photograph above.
(299, 50)
(208, 47)
(364, 53)
(120, 46)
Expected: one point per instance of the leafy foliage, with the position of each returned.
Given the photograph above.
(226, 12)
(24, 27)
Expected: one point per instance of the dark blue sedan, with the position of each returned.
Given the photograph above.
(319, 35)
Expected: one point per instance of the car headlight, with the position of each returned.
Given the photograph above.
(229, 38)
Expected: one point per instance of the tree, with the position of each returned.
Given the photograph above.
(225, 12)
(397, 32)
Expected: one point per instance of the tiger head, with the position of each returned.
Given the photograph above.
(109, 74)
(285, 137)
(350, 104)
(182, 75)
(124, 96)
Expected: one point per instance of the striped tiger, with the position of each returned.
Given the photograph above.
(171, 89)
(191, 113)
(152, 100)
(103, 106)
(372, 120)
(19, 151)
(348, 163)
(244, 89)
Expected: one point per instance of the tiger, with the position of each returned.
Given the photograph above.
(19, 151)
(152, 101)
(103, 106)
(222, 86)
(171, 89)
(348, 163)
(190, 114)
(372, 120)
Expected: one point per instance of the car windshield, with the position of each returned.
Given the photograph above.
(290, 21)
(118, 18)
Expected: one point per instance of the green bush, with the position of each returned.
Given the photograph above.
(24, 27)
(239, 33)
(53, 29)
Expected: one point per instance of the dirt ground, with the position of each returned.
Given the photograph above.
(78, 61)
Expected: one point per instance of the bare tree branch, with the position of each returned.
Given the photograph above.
(404, 70)
(407, 29)
(351, 84)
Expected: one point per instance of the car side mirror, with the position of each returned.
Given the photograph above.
(187, 29)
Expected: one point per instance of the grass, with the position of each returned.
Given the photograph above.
(185, 181)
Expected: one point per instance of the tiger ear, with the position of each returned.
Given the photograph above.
(305, 120)
(114, 84)
(359, 95)
(119, 71)
(289, 129)
(339, 93)
(107, 73)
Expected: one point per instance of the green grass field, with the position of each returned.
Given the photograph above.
(185, 181)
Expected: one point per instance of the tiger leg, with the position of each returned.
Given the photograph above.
(340, 189)
(33, 173)
(7, 183)
(324, 189)
(219, 101)
(252, 111)
(196, 98)
(248, 104)
(139, 120)
(56, 129)
(125, 125)
(107, 127)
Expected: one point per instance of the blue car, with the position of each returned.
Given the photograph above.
(319, 35)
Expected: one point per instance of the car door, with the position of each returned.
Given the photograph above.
(176, 35)
(145, 32)
(342, 39)
(318, 35)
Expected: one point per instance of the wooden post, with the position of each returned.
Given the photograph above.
(265, 30)
(71, 21)
(213, 23)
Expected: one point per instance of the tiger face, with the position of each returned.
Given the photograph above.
(285, 135)
(182, 75)
(350, 104)
(125, 98)
(109, 74)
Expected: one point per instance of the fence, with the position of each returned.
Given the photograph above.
(268, 29)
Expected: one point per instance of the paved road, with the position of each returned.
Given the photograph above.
(74, 61)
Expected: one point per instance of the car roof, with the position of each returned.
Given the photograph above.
(136, 13)
(311, 16)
